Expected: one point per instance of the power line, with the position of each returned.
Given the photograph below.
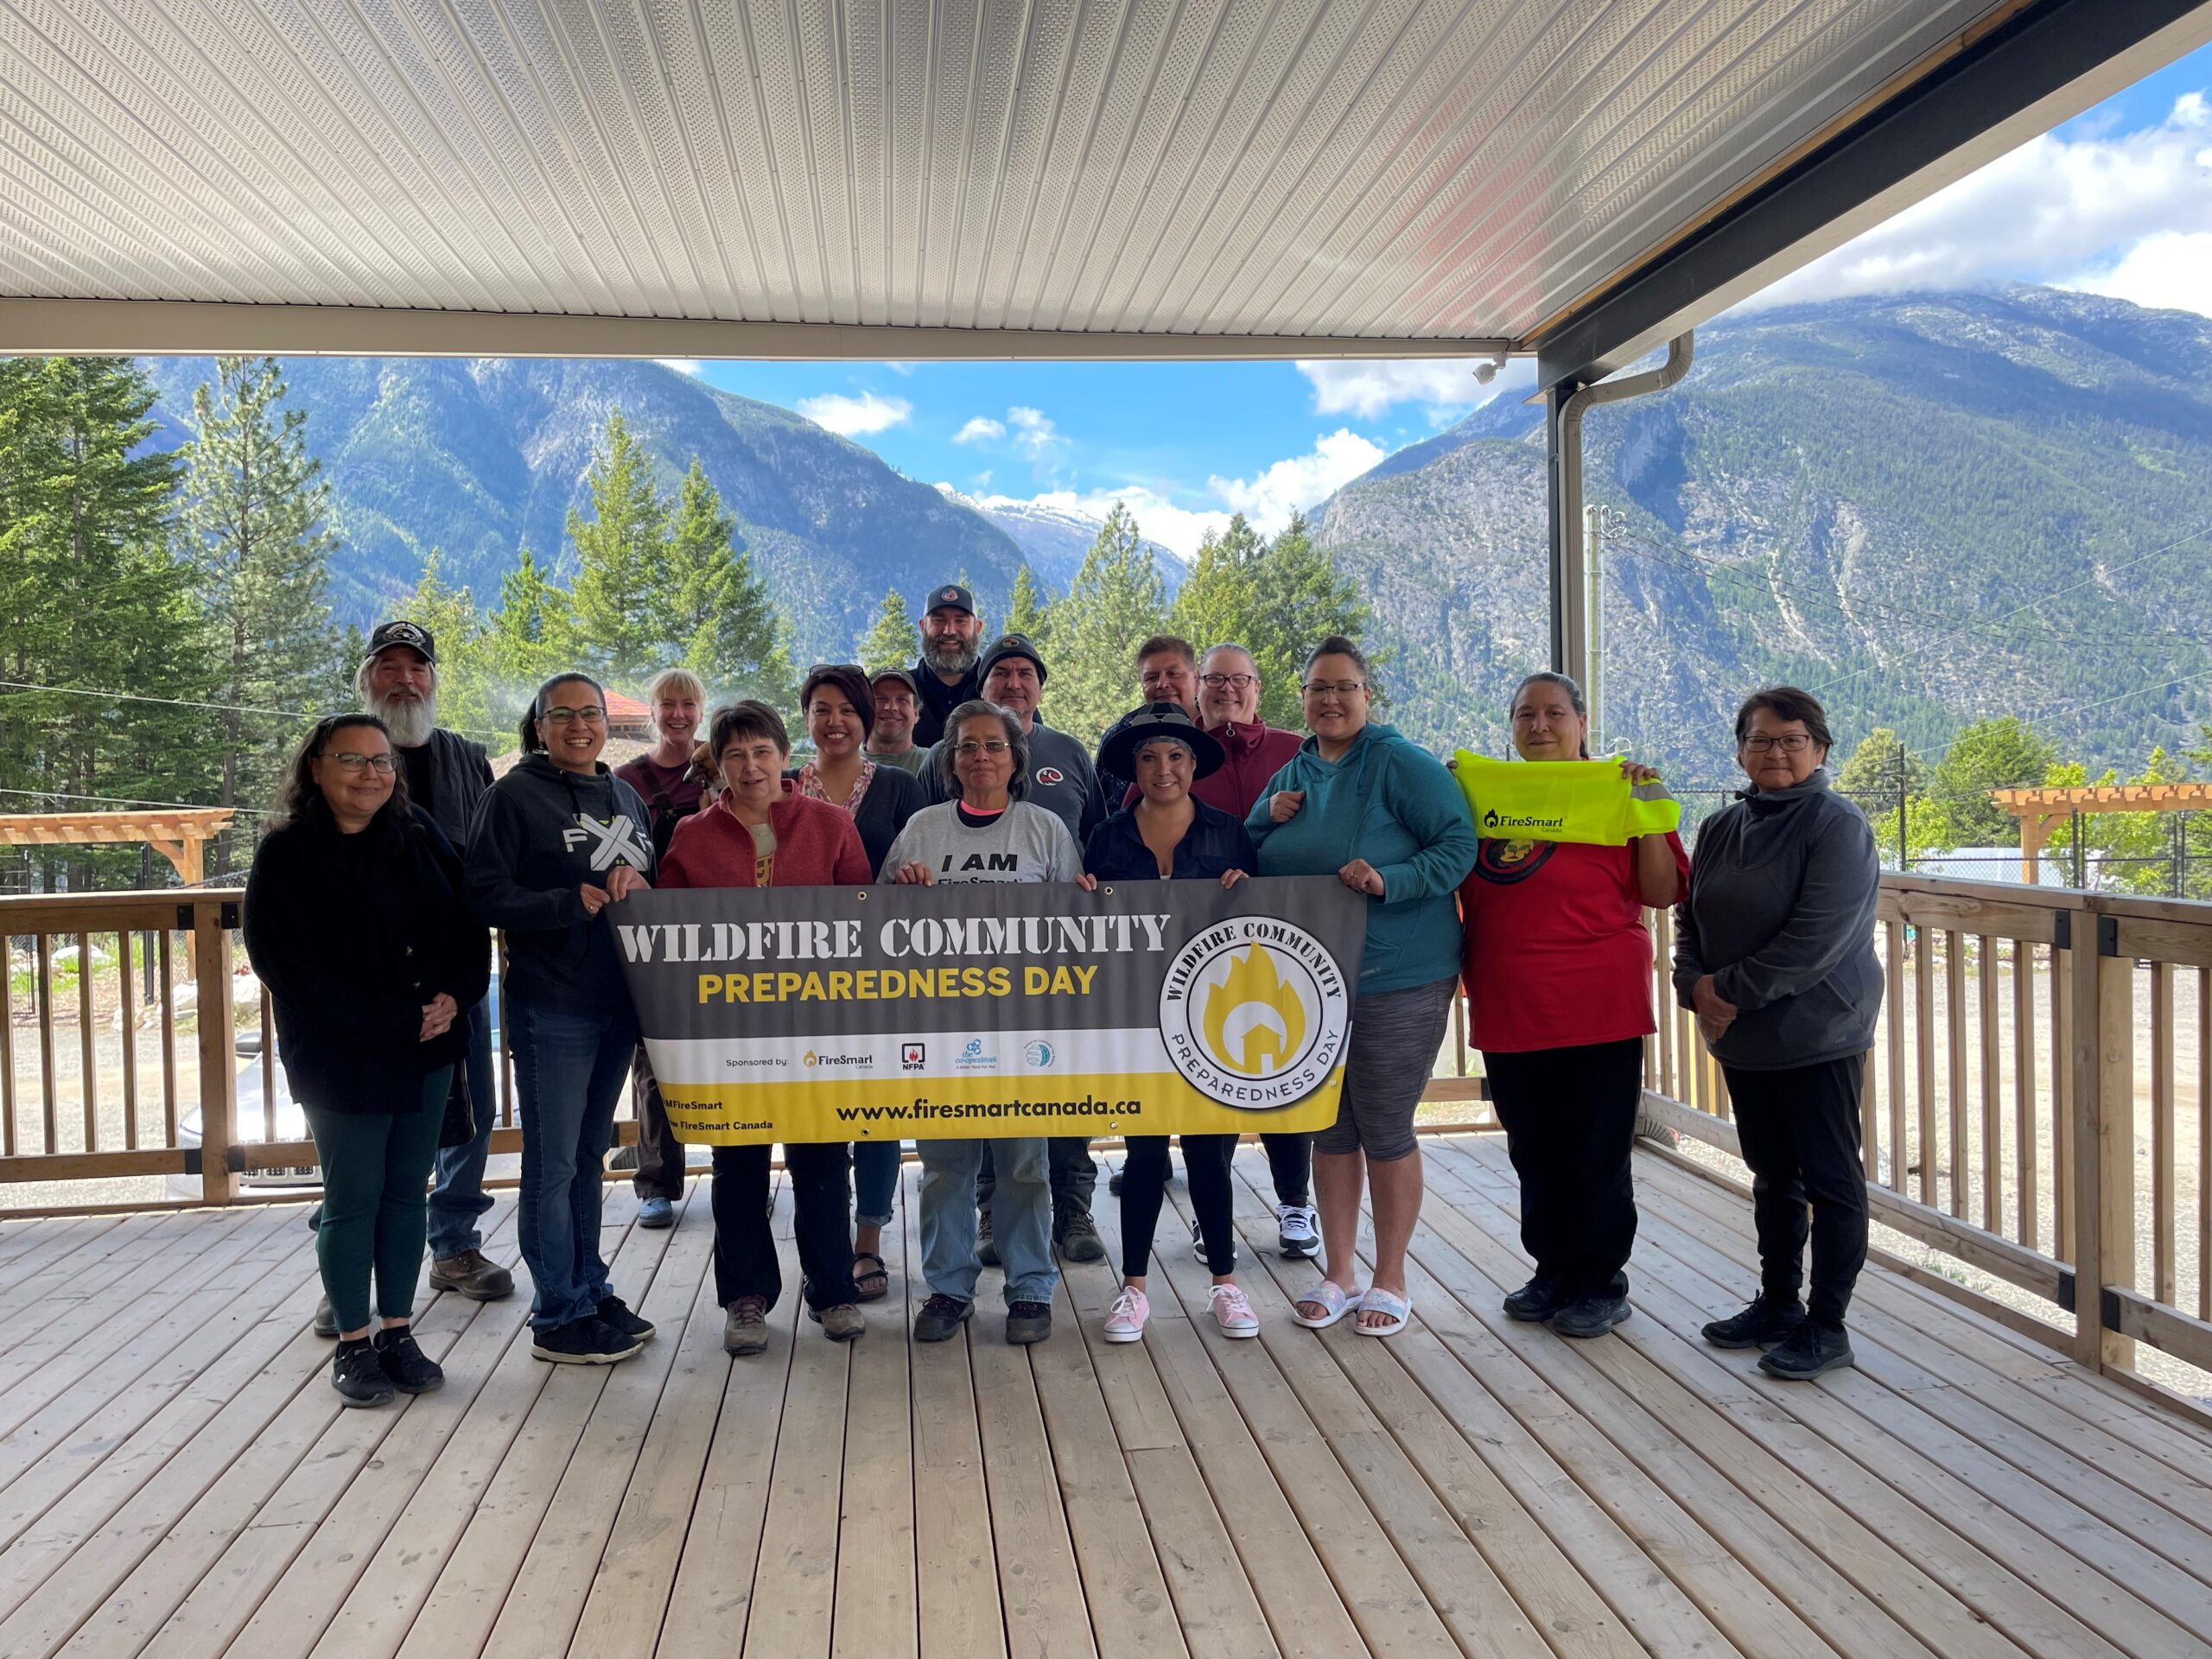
(26, 686)
(124, 800)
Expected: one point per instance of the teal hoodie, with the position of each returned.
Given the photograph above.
(1393, 804)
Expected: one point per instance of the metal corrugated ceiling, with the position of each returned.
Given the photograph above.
(1392, 171)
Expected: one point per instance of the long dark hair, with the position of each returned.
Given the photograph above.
(1547, 677)
(299, 795)
(533, 744)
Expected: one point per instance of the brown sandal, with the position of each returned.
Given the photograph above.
(872, 1284)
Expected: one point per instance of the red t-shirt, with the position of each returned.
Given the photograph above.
(1556, 954)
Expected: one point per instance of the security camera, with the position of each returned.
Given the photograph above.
(1485, 373)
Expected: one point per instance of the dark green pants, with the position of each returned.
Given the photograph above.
(375, 1165)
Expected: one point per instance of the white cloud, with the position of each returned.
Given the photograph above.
(1033, 432)
(979, 429)
(1367, 389)
(2112, 215)
(1301, 482)
(850, 416)
(902, 368)
(681, 364)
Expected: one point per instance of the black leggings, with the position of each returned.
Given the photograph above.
(1144, 1183)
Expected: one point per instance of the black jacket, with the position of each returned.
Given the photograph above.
(1214, 845)
(447, 776)
(352, 935)
(937, 700)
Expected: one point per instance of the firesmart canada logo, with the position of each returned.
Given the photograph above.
(1254, 1013)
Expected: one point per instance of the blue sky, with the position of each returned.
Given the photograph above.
(2118, 200)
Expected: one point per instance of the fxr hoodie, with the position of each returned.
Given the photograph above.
(538, 835)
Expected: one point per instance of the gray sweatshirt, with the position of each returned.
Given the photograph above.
(1781, 912)
(1025, 843)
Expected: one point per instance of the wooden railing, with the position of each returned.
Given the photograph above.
(2038, 1101)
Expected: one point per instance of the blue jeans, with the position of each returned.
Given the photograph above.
(458, 1199)
(569, 1070)
(876, 1181)
(1021, 1217)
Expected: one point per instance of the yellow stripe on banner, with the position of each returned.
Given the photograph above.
(1112, 1104)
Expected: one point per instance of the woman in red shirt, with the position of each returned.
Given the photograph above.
(1558, 973)
(759, 834)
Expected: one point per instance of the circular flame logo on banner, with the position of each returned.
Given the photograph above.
(1261, 1016)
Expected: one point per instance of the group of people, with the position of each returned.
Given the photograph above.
(370, 905)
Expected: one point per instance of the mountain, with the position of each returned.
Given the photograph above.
(476, 458)
(1926, 508)
(1054, 539)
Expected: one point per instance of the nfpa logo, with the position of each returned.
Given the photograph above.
(912, 1055)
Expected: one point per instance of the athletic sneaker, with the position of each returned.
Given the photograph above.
(1125, 1320)
(358, 1377)
(986, 1248)
(1762, 1324)
(1198, 1246)
(941, 1316)
(1809, 1351)
(1114, 1183)
(1537, 1301)
(842, 1323)
(411, 1370)
(1590, 1316)
(1028, 1322)
(656, 1213)
(1232, 1312)
(1079, 1240)
(1297, 1231)
(587, 1341)
(616, 1314)
(745, 1326)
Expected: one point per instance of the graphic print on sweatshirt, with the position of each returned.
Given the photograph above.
(612, 840)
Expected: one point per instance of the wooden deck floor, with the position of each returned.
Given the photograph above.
(176, 1477)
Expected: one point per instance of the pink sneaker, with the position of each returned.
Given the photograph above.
(1232, 1312)
(1125, 1322)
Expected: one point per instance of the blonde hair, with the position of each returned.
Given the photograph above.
(675, 680)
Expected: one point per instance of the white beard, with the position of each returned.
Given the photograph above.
(410, 719)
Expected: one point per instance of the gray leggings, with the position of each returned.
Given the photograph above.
(1395, 1037)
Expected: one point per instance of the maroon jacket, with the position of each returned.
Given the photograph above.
(816, 846)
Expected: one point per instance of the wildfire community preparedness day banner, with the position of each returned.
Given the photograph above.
(1146, 1007)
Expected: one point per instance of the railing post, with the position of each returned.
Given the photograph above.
(211, 961)
(2103, 1071)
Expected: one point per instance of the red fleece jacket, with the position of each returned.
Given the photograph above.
(816, 846)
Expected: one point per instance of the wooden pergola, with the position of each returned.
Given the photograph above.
(179, 834)
(2042, 810)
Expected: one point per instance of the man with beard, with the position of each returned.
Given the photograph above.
(945, 677)
(446, 775)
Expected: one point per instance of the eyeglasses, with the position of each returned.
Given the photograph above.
(1238, 682)
(1331, 687)
(350, 762)
(969, 749)
(591, 713)
(1788, 743)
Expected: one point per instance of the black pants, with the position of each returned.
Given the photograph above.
(1799, 1134)
(1570, 1122)
(1290, 1160)
(660, 1155)
(1075, 1178)
(745, 1248)
(1144, 1184)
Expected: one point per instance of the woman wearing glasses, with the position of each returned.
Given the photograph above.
(552, 845)
(986, 833)
(353, 921)
(1362, 804)
(1775, 953)
(840, 712)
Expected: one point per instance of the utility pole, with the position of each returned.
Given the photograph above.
(1593, 598)
(1904, 865)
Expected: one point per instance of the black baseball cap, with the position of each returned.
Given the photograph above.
(1117, 752)
(412, 635)
(1005, 645)
(952, 595)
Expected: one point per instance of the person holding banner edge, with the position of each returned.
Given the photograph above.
(991, 832)
(1362, 803)
(553, 844)
(762, 832)
(1170, 835)
(1558, 971)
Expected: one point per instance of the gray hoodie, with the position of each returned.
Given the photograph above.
(1781, 912)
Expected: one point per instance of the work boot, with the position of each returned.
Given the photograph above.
(1078, 1239)
(986, 1248)
(472, 1275)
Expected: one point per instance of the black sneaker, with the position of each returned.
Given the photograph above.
(1808, 1351)
(411, 1370)
(941, 1318)
(986, 1248)
(1028, 1321)
(1078, 1239)
(616, 1314)
(1762, 1324)
(1537, 1301)
(1590, 1316)
(587, 1341)
(325, 1320)
(358, 1375)
(1114, 1183)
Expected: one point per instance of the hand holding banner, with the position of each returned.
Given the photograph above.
(831, 1013)
(1587, 801)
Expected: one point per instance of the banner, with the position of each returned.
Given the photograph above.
(1146, 1007)
(1587, 801)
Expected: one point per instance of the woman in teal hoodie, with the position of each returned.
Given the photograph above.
(1362, 804)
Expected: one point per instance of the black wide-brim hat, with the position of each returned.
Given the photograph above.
(1117, 752)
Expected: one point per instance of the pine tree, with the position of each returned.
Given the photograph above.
(465, 679)
(1117, 600)
(251, 520)
(889, 642)
(1302, 602)
(529, 636)
(2000, 753)
(1219, 601)
(711, 609)
(618, 556)
(1027, 611)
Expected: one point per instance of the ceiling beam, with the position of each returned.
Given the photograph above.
(2042, 66)
(193, 328)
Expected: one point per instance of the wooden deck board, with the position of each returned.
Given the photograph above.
(176, 1480)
